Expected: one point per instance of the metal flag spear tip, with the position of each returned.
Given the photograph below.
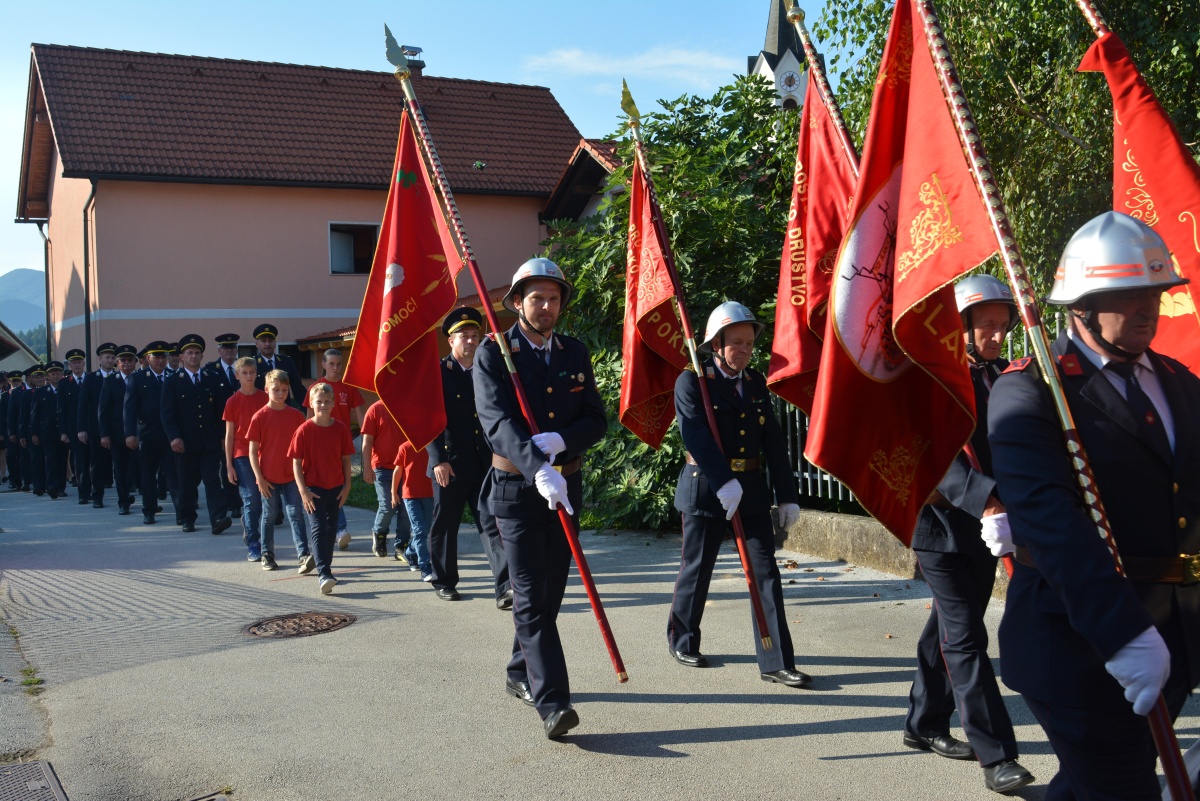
(816, 72)
(1159, 719)
(396, 56)
(689, 337)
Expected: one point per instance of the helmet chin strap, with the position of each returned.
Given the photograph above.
(1088, 319)
(720, 357)
(525, 321)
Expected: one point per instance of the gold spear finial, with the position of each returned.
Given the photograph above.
(795, 14)
(395, 55)
(628, 106)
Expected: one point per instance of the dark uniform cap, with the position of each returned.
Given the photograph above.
(126, 350)
(461, 318)
(35, 369)
(55, 365)
(228, 340)
(15, 374)
(157, 346)
(173, 348)
(106, 347)
(75, 353)
(189, 341)
(266, 330)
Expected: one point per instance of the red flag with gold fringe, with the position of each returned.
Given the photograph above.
(410, 289)
(653, 350)
(894, 402)
(822, 188)
(1156, 180)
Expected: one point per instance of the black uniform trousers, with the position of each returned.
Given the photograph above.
(702, 538)
(12, 454)
(953, 669)
(37, 466)
(448, 503)
(540, 558)
(80, 467)
(122, 466)
(156, 459)
(55, 454)
(100, 460)
(196, 466)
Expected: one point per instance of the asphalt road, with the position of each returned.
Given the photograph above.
(152, 691)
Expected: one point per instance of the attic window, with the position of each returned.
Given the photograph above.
(126, 96)
(351, 248)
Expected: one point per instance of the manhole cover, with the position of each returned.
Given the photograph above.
(30, 781)
(299, 624)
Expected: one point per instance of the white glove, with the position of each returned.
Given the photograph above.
(553, 487)
(787, 514)
(550, 444)
(997, 535)
(1142, 668)
(730, 496)
(1191, 761)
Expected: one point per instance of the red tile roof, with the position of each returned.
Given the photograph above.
(122, 114)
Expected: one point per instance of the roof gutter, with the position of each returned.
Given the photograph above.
(46, 268)
(87, 276)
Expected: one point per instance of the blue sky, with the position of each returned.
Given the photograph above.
(581, 51)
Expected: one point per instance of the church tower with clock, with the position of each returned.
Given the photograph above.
(781, 61)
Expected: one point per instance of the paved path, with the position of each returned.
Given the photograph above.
(153, 692)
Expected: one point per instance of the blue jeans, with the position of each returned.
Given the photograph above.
(247, 488)
(322, 527)
(385, 512)
(342, 525)
(289, 495)
(420, 519)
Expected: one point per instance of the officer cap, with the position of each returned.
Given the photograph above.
(174, 348)
(106, 347)
(35, 369)
(55, 365)
(191, 341)
(157, 346)
(126, 350)
(15, 374)
(461, 318)
(75, 353)
(266, 330)
(227, 340)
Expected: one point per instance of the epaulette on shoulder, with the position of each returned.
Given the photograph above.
(1018, 365)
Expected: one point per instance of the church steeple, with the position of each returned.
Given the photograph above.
(781, 61)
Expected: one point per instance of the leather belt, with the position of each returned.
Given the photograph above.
(570, 468)
(1183, 569)
(736, 465)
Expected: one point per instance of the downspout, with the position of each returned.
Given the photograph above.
(46, 263)
(87, 278)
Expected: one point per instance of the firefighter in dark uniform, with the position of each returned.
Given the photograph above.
(721, 478)
(458, 460)
(193, 427)
(46, 435)
(18, 478)
(532, 475)
(68, 417)
(953, 668)
(172, 358)
(144, 430)
(112, 425)
(87, 427)
(267, 360)
(4, 452)
(222, 367)
(37, 455)
(1088, 649)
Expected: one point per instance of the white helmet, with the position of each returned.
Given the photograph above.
(728, 313)
(1109, 253)
(538, 269)
(977, 290)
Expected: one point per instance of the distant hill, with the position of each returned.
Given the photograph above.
(23, 284)
(19, 315)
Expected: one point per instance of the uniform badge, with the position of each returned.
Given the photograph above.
(1069, 363)
(581, 378)
(1018, 365)
(762, 420)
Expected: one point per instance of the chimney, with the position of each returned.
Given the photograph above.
(415, 64)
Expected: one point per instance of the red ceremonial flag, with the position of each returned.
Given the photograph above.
(653, 349)
(894, 402)
(410, 289)
(822, 189)
(1156, 180)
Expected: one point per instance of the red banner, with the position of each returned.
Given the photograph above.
(822, 189)
(411, 288)
(653, 350)
(894, 402)
(1156, 180)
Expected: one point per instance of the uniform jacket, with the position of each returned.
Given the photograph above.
(143, 407)
(957, 529)
(25, 414)
(190, 411)
(111, 412)
(13, 423)
(68, 405)
(89, 404)
(748, 429)
(562, 397)
(217, 368)
(43, 414)
(463, 443)
(1072, 612)
(4, 417)
(286, 364)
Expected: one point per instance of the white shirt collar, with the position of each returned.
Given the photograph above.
(1101, 360)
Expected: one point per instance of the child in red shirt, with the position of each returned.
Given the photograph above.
(412, 486)
(320, 453)
(240, 407)
(381, 438)
(347, 401)
(270, 435)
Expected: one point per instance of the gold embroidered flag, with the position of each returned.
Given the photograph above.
(894, 402)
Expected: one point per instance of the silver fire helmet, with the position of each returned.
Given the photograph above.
(977, 290)
(538, 269)
(728, 313)
(1109, 253)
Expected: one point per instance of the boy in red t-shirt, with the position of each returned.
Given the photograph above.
(412, 486)
(270, 435)
(320, 452)
(381, 439)
(240, 407)
(347, 401)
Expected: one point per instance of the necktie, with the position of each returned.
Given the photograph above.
(196, 379)
(270, 365)
(229, 370)
(1140, 404)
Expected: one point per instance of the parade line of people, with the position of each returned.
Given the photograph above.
(1089, 650)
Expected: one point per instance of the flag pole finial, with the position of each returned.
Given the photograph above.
(628, 106)
(795, 15)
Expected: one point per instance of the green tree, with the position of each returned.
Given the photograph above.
(1047, 129)
(35, 338)
(722, 168)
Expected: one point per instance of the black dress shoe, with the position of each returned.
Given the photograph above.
(519, 689)
(39, 493)
(560, 721)
(788, 678)
(123, 510)
(221, 524)
(97, 504)
(1006, 776)
(504, 602)
(940, 744)
(695, 660)
(148, 520)
(53, 494)
(84, 501)
(448, 594)
(188, 528)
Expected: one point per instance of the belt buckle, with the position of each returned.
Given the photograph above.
(1191, 568)
(557, 467)
(737, 465)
